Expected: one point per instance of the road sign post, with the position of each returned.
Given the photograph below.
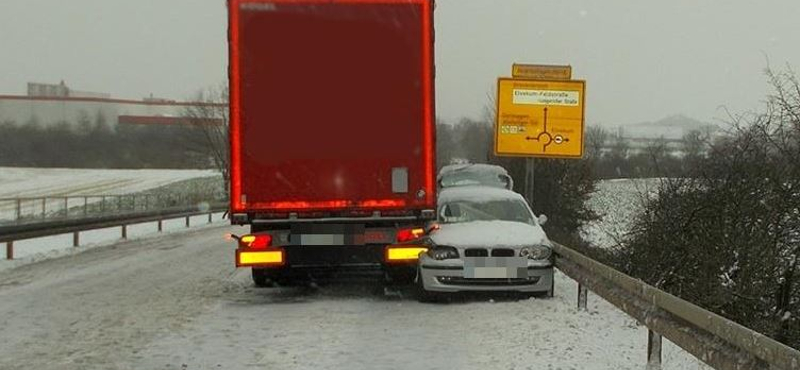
(529, 178)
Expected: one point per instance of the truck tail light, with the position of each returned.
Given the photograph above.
(407, 235)
(260, 258)
(257, 241)
(404, 253)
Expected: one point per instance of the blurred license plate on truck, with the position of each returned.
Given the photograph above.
(330, 234)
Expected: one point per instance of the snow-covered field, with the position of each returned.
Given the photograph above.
(617, 202)
(17, 182)
(34, 182)
(176, 302)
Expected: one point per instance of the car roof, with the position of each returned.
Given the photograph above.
(472, 167)
(477, 193)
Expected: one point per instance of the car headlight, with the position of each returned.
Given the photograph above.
(538, 252)
(443, 253)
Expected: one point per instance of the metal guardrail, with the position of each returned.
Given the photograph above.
(46, 207)
(11, 233)
(715, 340)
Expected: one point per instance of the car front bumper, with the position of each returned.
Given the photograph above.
(449, 276)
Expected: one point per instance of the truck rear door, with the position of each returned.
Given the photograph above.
(331, 105)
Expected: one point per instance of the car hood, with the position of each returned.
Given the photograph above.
(489, 234)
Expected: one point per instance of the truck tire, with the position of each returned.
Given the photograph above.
(400, 276)
(289, 277)
(261, 278)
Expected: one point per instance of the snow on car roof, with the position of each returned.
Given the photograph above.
(473, 167)
(477, 193)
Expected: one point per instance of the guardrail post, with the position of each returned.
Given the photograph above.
(124, 231)
(653, 350)
(582, 296)
(160, 225)
(10, 250)
(19, 209)
(209, 217)
(187, 221)
(76, 238)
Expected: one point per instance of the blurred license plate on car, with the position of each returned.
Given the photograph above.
(491, 273)
(495, 268)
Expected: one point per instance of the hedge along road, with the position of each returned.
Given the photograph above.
(176, 301)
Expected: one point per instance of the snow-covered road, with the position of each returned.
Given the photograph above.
(176, 302)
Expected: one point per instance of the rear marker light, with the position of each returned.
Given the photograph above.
(400, 254)
(259, 258)
(407, 235)
(260, 241)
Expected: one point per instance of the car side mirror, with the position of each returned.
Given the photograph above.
(507, 181)
(542, 219)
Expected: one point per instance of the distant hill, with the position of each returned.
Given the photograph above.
(670, 127)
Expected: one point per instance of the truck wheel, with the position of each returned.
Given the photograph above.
(288, 277)
(400, 276)
(423, 295)
(261, 278)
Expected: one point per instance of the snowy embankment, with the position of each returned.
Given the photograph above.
(34, 182)
(48, 247)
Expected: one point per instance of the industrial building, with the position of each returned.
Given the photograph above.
(50, 104)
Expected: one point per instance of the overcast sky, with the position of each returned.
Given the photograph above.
(642, 60)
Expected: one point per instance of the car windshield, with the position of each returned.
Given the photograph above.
(469, 210)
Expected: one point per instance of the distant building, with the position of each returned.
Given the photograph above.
(50, 104)
(61, 90)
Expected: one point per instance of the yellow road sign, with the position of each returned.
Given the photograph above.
(541, 72)
(538, 118)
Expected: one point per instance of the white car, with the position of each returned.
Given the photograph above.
(471, 174)
(486, 239)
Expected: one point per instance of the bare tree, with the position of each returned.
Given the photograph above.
(209, 117)
(596, 139)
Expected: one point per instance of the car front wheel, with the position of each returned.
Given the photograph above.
(422, 294)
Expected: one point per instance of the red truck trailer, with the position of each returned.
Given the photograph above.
(332, 133)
